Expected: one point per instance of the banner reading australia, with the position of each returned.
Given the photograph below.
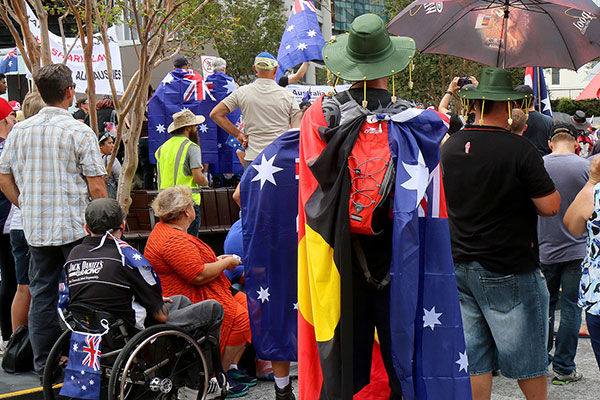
(75, 57)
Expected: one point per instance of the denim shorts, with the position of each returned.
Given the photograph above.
(505, 319)
(20, 251)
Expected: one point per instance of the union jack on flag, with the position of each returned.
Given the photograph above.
(93, 353)
(10, 62)
(301, 5)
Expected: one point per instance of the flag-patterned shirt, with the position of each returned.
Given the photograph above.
(49, 155)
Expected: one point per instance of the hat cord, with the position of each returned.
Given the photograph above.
(394, 98)
(410, 69)
(510, 121)
(365, 102)
(482, 107)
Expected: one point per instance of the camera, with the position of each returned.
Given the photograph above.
(465, 80)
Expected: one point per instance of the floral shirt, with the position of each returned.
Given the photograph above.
(589, 288)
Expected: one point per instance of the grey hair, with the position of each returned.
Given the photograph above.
(219, 64)
(172, 202)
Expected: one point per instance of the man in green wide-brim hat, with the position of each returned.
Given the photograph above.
(367, 56)
(496, 186)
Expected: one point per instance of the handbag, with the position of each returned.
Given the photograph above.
(18, 356)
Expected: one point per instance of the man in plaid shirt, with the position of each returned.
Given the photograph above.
(50, 168)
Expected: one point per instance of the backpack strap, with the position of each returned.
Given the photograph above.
(362, 261)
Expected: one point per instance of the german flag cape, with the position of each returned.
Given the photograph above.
(428, 349)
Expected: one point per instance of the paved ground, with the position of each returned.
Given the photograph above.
(504, 389)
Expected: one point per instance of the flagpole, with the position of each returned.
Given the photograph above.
(539, 103)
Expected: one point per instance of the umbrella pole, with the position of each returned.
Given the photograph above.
(539, 103)
(504, 41)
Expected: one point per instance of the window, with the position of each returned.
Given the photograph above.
(556, 76)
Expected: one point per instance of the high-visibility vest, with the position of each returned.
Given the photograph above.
(169, 162)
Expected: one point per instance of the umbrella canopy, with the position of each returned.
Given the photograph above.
(549, 33)
(592, 90)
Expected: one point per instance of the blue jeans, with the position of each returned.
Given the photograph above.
(195, 225)
(45, 271)
(565, 275)
(593, 324)
(20, 251)
(505, 319)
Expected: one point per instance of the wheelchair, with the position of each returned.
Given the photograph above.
(160, 362)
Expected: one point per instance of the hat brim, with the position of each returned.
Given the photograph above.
(582, 126)
(199, 119)
(341, 65)
(477, 94)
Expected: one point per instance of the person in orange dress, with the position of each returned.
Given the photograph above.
(188, 266)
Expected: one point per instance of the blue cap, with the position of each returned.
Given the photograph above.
(265, 60)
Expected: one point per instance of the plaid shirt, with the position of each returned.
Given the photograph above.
(49, 155)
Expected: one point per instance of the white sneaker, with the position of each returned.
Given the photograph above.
(3, 345)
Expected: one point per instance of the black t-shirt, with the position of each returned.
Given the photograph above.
(539, 129)
(99, 279)
(490, 176)
(80, 114)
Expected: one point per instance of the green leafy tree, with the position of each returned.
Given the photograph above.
(239, 30)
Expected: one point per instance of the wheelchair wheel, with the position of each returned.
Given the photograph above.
(158, 362)
(54, 372)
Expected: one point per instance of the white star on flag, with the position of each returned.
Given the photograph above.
(168, 79)
(10, 63)
(184, 109)
(263, 294)
(311, 33)
(546, 103)
(91, 381)
(419, 177)
(463, 362)
(290, 28)
(219, 145)
(287, 47)
(231, 86)
(137, 257)
(75, 347)
(83, 387)
(295, 306)
(72, 377)
(203, 128)
(431, 318)
(82, 372)
(302, 46)
(266, 169)
(160, 128)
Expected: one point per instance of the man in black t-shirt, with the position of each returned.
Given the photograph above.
(109, 275)
(496, 185)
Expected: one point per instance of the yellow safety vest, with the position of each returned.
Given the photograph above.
(169, 162)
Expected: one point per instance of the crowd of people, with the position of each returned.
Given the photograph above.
(523, 202)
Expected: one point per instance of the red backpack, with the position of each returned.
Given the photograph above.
(371, 179)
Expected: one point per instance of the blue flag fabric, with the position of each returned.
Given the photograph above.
(82, 375)
(531, 78)
(425, 311)
(181, 89)
(302, 39)
(269, 195)
(134, 258)
(228, 162)
(10, 62)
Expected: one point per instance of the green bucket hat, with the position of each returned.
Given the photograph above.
(367, 52)
(495, 85)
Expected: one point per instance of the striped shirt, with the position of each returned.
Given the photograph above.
(49, 155)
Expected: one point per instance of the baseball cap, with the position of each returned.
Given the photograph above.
(16, 106)
(564, 127)
(180, 61)
(265, 60)
(102, 215)
(5, 108)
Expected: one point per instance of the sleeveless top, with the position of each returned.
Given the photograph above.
(589, 288)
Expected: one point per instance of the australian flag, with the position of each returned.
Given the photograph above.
(425, 311)
(542, 99)
(181, 89)
(82, 375)
(10, 62)
(269, 195)
(228, 162)
(302, 39)
(135, 259)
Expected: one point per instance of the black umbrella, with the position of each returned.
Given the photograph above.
(505, 33)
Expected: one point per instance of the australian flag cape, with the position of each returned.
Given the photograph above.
(427, 340)
(269, 197)
(181, 89)
(227, 161)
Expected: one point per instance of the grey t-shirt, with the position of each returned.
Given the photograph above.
(569, 173)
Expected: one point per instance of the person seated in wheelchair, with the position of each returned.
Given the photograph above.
(105, 273)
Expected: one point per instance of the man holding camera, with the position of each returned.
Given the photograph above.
(456, 121)
(539, 125)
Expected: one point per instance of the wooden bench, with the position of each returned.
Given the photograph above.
(218, 213)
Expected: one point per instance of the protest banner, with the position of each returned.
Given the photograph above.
(207, 68)
(75, 59)
(315, 90)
